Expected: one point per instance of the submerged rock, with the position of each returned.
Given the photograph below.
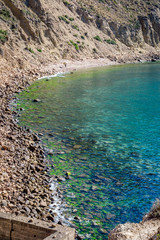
(36, 100)
(68, 175)
(77, 146)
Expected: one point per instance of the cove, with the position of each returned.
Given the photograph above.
(103, 126)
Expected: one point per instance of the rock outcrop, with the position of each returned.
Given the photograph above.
(135, 231)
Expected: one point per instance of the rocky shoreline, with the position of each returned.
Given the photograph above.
(25, 188)
(24, 176)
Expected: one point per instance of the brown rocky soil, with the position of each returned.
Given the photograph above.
(24, 183)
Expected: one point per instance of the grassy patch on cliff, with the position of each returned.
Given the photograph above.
(3, 36)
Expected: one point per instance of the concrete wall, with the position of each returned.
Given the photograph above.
(22, 228)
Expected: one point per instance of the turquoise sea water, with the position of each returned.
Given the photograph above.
(104, 129)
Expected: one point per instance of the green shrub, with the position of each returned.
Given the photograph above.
(39, 50)
(63, 18)
(6, 16)
(30, 50)
(78, 42)
(94, 50)
(98, 38)
(4, 12)
(110, 41)
(75, 45)
(82, 37)
(71, 19)
(66, 3)
(3, 36)
(158, 235)
(66, 19)
(75, 27)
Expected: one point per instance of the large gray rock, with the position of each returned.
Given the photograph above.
(135, 231)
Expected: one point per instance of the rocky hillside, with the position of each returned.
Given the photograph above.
(40, 31)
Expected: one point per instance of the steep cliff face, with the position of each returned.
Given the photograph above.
(50, 29)
(151, 28)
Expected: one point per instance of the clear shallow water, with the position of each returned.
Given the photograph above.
(104, 127)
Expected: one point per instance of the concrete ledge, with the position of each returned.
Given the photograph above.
(18, 228)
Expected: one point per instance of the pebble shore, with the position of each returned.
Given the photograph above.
(24, 175)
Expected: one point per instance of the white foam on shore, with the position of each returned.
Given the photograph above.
(59, 74)
(58, 206)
